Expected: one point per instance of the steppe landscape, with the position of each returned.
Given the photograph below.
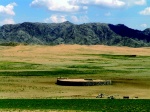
(74, 56)
(29, 72)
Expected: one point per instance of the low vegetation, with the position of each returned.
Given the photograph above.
(9, 44)
(30, 72)
(76, 105)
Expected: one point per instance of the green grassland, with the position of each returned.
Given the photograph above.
(30, 72)
(74, 105)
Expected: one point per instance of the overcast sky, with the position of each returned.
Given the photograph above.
(133, 13)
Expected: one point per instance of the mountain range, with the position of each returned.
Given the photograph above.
(69, 33)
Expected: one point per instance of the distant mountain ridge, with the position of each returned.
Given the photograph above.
(69, 33)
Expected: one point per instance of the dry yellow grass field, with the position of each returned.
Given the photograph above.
(48, 58)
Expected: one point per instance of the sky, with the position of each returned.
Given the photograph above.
(132, 13)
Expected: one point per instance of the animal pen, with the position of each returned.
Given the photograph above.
(82, 82)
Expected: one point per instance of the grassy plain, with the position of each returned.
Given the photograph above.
(73, 105)
(29, 72)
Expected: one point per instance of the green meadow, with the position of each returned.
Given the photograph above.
(90, 105)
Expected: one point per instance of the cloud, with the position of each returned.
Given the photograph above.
(134, 2)
(143, 25)
(8, 9)
(82, 5)
(57, 5)
(101, 3)
(56, 19)
(74, 19)
(8, 21)
(7, 13)
(145, 12)
(140, 2)
(81, 19)
(108, 3)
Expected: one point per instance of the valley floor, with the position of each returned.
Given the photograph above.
(31, 71)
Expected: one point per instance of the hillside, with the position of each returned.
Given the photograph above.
(69, 33)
